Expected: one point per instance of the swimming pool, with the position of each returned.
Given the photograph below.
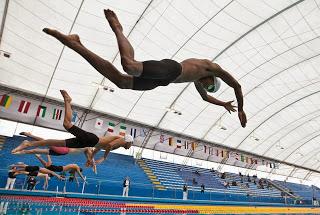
(24, 204)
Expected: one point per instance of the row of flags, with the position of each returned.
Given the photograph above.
(24, 107)
(56, 114)
(42, 111)
(178, 143)
(214, 151)
(122, 130)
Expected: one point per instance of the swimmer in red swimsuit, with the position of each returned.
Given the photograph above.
(53, 150)
(56, 150)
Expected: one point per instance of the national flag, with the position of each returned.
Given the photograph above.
(122, 130)
(6, 101)
(242, 158)
(253, 161)
(99, 123)
(57, 114)
(161, 138)
(142, 132)
(24, 107)
(237, 156)
(41, 110)
(179, 144)
(186, 144)
(133, 132)
(171, 141)
(211, 151)
(234, 155)
(74, 117)
(194, 145)
(111, 126)
(227, 154)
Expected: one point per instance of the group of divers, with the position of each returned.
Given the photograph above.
(145, 75)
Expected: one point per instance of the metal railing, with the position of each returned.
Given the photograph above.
(114, 187)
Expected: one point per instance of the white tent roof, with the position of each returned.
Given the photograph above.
(271, 47)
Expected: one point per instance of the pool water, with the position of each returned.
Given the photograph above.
(14, 207)
(15, 204)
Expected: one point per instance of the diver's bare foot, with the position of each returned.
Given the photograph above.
(113, 20)
(22, 146)
(66, 96)
(24, 133)
(68, 40)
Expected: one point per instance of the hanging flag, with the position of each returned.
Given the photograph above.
(142, 132)
(179, 144)
(234, 155)
(41, 110)
(237, 156)
(161, 138)
(122, 130)
(242, 158)
(227, 154)
(74, 117)
(24, 107)
(111, 126)
(171, 141)
(194, 145)
(186, 144)
(211, 151)
(6, 101)
(99, 123)
(252, 161)
(133, 132)
(57, 114)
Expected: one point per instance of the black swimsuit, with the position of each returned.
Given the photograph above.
(55, 168)
(157, 73)
(34, 173)
(32, 168)
(82, 138)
